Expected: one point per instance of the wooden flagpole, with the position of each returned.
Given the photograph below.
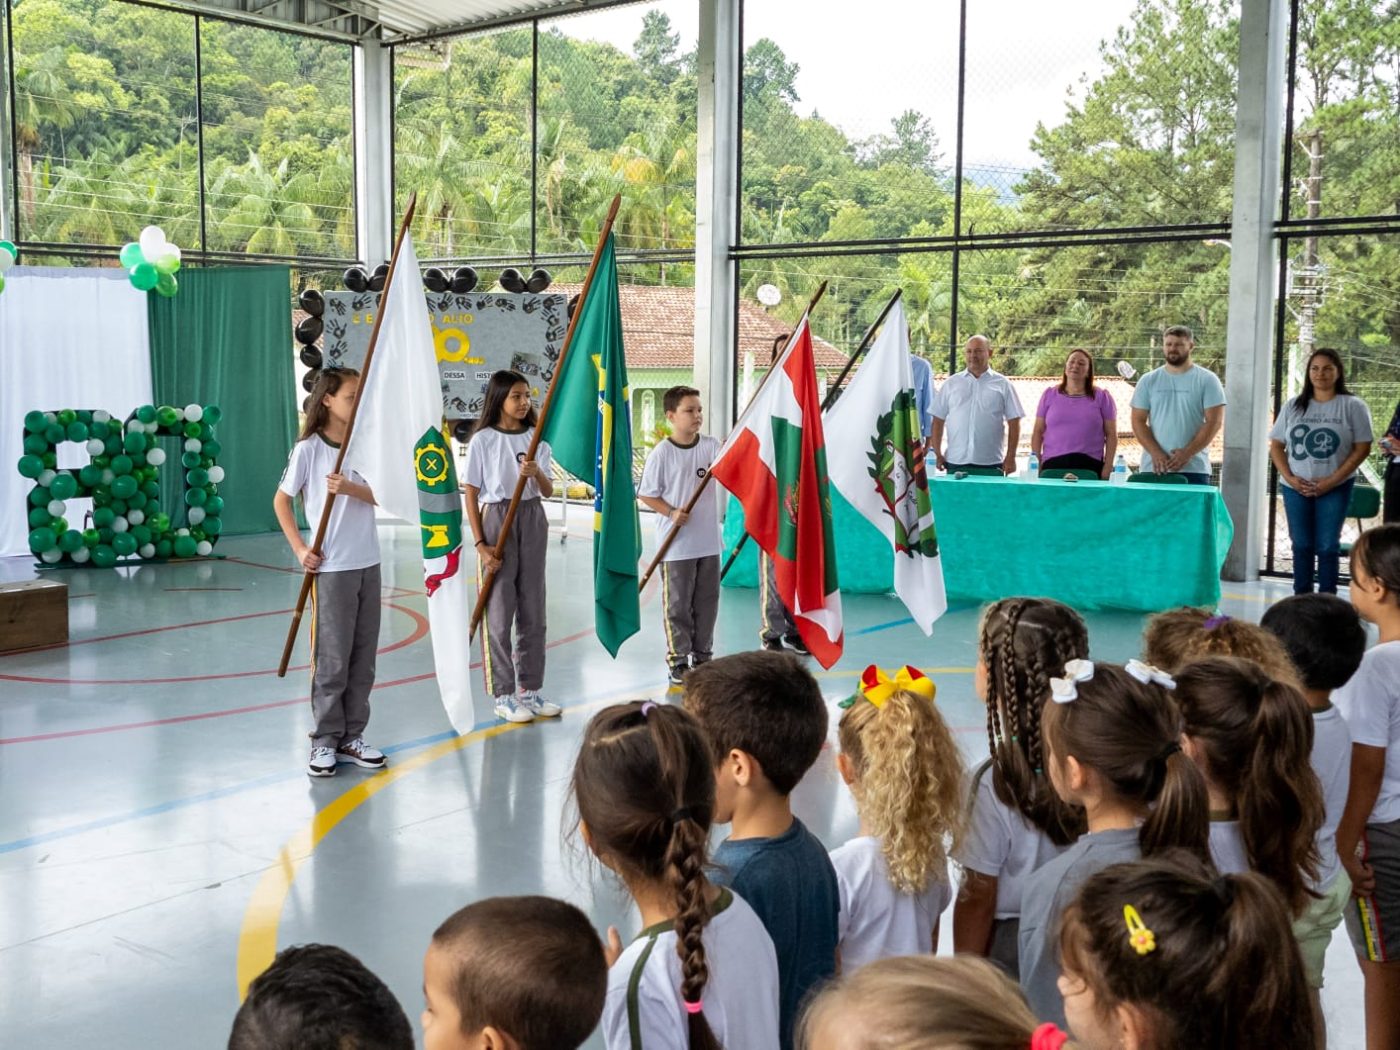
(831, 394)
(743, 417)
(308, 578)
(489, 577)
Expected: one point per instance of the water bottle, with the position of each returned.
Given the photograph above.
(1120, 471)
(1033, 467)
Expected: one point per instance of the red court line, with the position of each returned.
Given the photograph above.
(178, 589)
(148, 630)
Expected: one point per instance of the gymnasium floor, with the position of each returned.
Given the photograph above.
(159, 838)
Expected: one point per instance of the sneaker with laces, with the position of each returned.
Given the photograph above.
(795, 643)
(512, 710)
(360, 753)
(537, 705)
(773, 645)
(322, 762)
(677, 673)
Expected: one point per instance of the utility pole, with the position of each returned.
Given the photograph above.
(1309, 273)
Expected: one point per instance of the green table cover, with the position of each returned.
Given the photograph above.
(1089, 544)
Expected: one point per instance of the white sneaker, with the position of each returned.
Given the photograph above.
(537, 705)
(360, 753)
(512, 711)
(322, 762)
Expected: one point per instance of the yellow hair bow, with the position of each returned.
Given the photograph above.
(877, 686)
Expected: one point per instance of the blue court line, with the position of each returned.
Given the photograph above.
(901, 622)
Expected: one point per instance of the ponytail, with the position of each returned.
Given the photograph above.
(1181, 817)
(1255, 736)
(685, 863)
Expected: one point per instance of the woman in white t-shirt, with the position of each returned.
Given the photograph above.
(901, 763)
(1318, 441)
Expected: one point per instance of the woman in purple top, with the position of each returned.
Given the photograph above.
(1076, 424)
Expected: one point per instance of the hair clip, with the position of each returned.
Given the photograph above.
(648, 707)
(1139, 936)
(1218, 620)
(1063, 690)
(1048, 1037)
(1146, 673)
(695, 1007)
(877, 686)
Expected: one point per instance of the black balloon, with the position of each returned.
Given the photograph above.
(309, 380)
(376, 283)
(305, 403)
(462, 429)
(355, 279)
(311, 357)
(434, 279)
(539, 281)
(310, 300)
(382, 270)
(309, 329)
(463, 280)
(512, 280)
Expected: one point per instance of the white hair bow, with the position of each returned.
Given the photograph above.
(1146, 673)
(1063, 690)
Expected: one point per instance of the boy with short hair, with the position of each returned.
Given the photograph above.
(319, 997)
(767, 721)
(690, 570)
(513, 973)
(1325, 640)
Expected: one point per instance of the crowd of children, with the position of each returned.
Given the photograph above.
(1157, 852)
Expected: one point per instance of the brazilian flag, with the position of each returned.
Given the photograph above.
(589, 430)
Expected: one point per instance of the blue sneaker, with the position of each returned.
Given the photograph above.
(512, 710)
(537, 705)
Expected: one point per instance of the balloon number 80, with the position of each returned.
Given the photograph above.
(123, 479)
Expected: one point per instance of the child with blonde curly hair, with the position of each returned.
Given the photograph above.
(1174, 638)
(901, 763)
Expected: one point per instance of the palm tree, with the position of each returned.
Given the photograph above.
(41, 105)
(262, 211)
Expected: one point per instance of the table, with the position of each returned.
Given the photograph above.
(1089, 544)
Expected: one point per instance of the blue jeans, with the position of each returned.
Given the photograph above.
(1315, 526)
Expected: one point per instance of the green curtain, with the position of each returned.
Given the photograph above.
(225, 340)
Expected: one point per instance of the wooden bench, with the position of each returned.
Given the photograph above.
(33, 613)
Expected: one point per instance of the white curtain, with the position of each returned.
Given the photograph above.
(69, 338)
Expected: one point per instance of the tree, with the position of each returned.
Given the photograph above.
(658, 48)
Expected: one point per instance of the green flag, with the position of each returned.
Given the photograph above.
(589, 430)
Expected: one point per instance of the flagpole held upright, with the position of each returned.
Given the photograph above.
(489, 576)
(320, 536)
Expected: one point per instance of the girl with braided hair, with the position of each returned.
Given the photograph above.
(1016, 821)
(702, 974)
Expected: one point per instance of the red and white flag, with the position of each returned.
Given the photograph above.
(774, 463)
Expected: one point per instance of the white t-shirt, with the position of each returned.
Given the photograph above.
(671, 473)
(975, 410)
(1004, 845)
(493, 464)
(1331, 761)
(877, 921)
(1227, 847)
(1370, 703)
(351, 541)
(643, 1007)
(1318, 439)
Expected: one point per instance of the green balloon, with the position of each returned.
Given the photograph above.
(185, 546)
(103, 556)
(35, 444)
(190, 460)
(163, 548)
(160, 522)
(166, 416)
(64, 486)
(39, 516)
(124, 543)
(150, 489)
(84, 416)
(41, 540)
(123, 487)
(206, 432)
(34, 422)
(197, 533)
(50, 460)
(77, 430)
(55, 433)
(167, 285)
(134, 442)
(121, 464)
(102, 497)
(100, 430)
(191, 430)
(143, 276)
(212, 415)
(212, 449)
(168, 265)
(70, 541)
(196, 497)
(198, 477)
(90, 537)
(118, 506)
(137, 500)
(101, 462)
(102, 517)
(131, 255)
(142, 534)
(105, 535)
(89, 476)
(113, 445)
(67, 416)
(213, 525)
(30, 465)
(39, 496)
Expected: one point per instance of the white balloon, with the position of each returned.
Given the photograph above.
(194, 413)
(95, 447)
(6, 259)
(153, 243)
(45, 478)
(57, 508)
(101, 416)
(120, 524)
(50, 417)
(107, 476)
(182, 532)
(193, 444)
(203, 548)
(53, 555)
(136, 517)
(180, 414)
(195, 515)
(155, 457)
(216, 474)
(147, 550)
(81, 555)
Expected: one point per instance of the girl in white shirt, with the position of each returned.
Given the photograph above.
(702, 974)
(496, 460)
(905, 770)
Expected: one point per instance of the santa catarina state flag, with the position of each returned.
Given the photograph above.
(775, 465)
(878, 466)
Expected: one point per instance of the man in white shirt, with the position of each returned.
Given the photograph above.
(981, 414)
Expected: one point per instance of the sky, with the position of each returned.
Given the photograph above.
(861, 72)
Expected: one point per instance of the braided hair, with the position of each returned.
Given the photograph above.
(1023, 643)
(644, 787)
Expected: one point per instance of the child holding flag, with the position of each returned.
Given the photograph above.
(690, 569)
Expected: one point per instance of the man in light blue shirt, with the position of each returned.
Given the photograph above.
(923, 392)
(1177, 410)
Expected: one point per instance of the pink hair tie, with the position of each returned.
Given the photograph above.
(1048, 1037)
(695, 1007)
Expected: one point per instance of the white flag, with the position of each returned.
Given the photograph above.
(399, 447)
(878, 466)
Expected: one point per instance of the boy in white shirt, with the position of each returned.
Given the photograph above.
(690, 570)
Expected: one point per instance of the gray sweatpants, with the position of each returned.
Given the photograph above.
(517, 598)
(344, 638)
(690, 589)
(777, 624)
